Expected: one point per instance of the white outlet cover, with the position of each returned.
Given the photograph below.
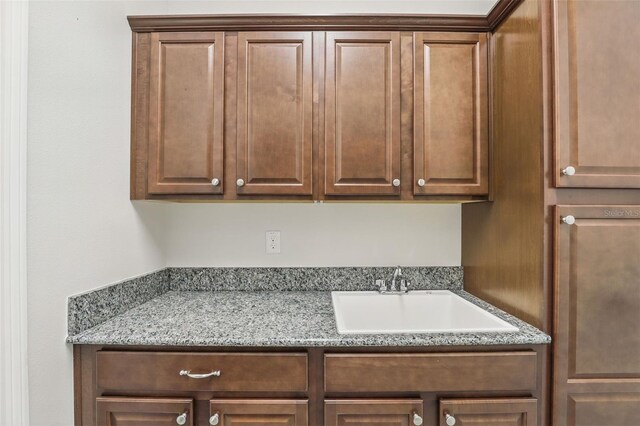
(272, 242)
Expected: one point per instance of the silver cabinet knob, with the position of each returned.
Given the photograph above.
(569, 220)
(214, 420)
(417, 419)
(569, 171)
(182, 419)
(421, 182)
(240, 182)
(215, 181)
(396, 182)
(449, 419)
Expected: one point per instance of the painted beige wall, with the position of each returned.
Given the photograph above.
(83, 232)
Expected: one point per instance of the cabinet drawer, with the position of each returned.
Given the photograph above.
(430, 372)
(239, 372)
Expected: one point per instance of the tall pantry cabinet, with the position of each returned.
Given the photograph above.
(560, 245)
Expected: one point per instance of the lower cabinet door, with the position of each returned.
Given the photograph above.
(121, 411)
(483, 412)
(379, 412)
(262, 412)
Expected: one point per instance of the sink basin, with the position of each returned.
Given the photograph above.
(435, 311)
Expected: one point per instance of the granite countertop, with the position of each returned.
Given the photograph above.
(270, 318)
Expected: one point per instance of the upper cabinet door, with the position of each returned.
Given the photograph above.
(186, 113)
(450, 114)
(597, 93)
(275, 113)
(362, 113)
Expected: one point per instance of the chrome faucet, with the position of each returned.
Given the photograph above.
(397, 275)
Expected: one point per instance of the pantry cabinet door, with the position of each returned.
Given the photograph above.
(450, 114)
(275, 113)
(255, 412)
(597, 93)
(597, 313)
(362, 113)
(121, 411)
(186, 99)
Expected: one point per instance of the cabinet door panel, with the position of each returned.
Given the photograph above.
(620, 409)
(597, 93)
(450, 113)
(275, 115)
(249, 412)
(482, 412)
(362, 113)
(597, 348)
(383, 412)
(186, 113)
(113, 411)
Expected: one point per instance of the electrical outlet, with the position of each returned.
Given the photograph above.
(273, 242)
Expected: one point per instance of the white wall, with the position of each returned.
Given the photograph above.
(328, 234)
(84, 233)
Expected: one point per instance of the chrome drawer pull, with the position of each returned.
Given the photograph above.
(188, 373)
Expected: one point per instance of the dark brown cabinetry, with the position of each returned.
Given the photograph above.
(185, 113)
(307, 115)
(238, 412)
(310, 387)
(482, 412)
(362, 113)
(597, 99)
(274, 135)
(597, 357)
(117, 411)
(388, 412)
(451, 133)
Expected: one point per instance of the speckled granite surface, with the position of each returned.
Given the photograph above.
(310, 279)
(268, 318)
(90, 309)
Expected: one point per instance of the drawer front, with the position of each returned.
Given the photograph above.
(511, 371)
(239, 372)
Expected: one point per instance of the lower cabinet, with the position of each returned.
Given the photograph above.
(114, 411)
(247, 412)
(387, 412)
(483, 412)
(312, 387)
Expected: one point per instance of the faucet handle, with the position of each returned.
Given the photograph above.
(404, 285)
(382, 285)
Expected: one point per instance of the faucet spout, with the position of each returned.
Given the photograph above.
(397, 274)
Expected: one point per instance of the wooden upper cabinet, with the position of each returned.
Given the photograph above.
(362, 113)
(597, 93)
(275, 113)
(123, 411)
(259, 412)
(383, 412)
(597, 306)
(186, 98)
(450, 114)
(482, 412)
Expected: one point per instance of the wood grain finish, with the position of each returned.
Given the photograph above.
(252, 412)
(186, 113)
(362, 113)
(424, 372)
(383, 412)
(275, 117)
(611, 409)
(148, 371)
(117, 411)
(597, 310)
(502, 242)
(450, 113)
(483, 412)
(597, 93)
